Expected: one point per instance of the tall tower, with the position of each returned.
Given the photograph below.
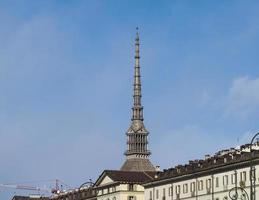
(137, 152)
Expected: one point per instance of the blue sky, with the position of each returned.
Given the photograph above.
(66, 71)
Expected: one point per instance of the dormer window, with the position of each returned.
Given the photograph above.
(131, 198)
(131, 187)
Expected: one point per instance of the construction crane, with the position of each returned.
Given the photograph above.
(33, 188)
(26, 187)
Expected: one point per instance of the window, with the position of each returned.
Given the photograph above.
(243, 176)
(233, 178)
(185, 188)
(131, 198)
(177, 189)
(200, 185)
(130, 187)
(192, 186)
(217, 181)
(163, 192)
(157, 194)
(208, 183)
(170, 191)
(163, 198)
(225, 180)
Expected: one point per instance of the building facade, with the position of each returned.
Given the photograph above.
(122, 185)
(226, 175)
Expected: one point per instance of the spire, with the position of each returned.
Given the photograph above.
(137, 153)
(137, 108)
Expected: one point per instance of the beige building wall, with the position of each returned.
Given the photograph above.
(120, 192)
(211, 187)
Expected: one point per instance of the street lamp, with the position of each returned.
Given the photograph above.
(235, 192)
(252, 171)
(87, 184)
(238, 193)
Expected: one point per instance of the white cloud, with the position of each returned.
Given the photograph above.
(243, 97)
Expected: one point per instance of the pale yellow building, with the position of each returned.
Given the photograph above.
(122, 185)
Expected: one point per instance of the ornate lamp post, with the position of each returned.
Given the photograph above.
(86, 184)
(239, 192)
(252, 172)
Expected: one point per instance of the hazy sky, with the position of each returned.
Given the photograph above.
(66, 75)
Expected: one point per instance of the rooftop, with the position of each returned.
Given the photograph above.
(221, 158)
(130, 176)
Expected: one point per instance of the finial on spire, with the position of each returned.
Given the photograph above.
(137, 33)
